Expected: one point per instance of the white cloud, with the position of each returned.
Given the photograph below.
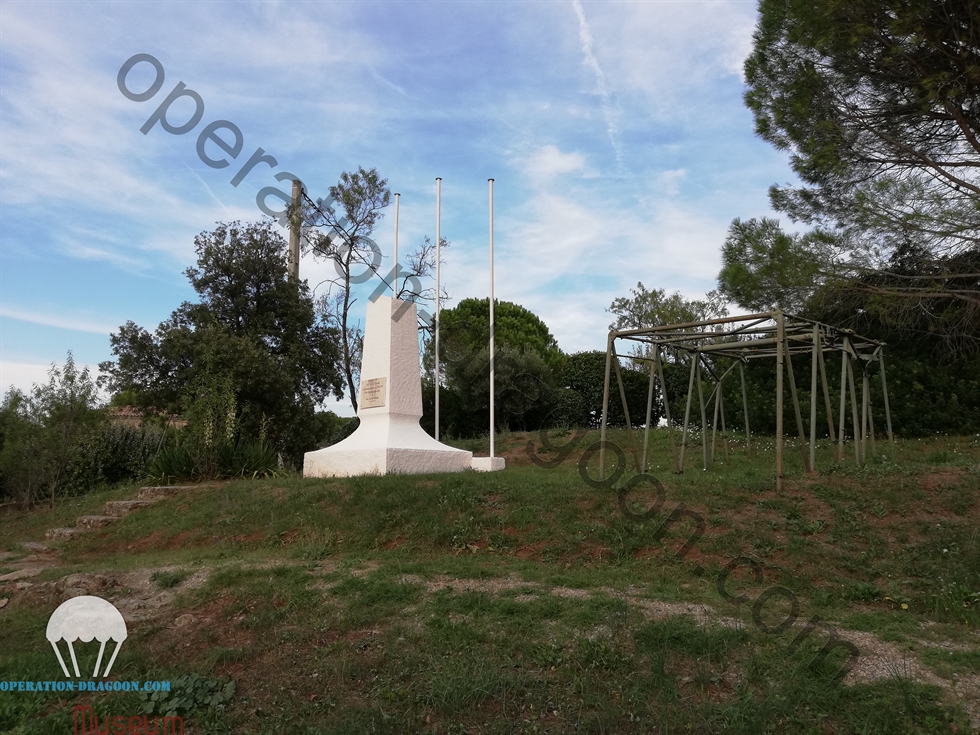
(669, 182)
(548, 161)
(609, 110)
(670, 53)
(62, 322)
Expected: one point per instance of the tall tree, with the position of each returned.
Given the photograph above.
(878, 102)
(764, 267)
(526, 362)
(465, 329)
(343, 236)
(362, 196)
(41, 432)
(253, 328)
(655, 307)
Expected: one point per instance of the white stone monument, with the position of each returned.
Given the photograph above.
(389, 439)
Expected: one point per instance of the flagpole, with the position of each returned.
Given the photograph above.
(438, 244)
(491, 326)
(394, 286)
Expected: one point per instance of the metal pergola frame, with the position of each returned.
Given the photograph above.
(773, 334)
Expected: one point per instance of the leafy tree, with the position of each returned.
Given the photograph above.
(878, 102)
(765, 268)
(254, 334)
(42, 432)
(346, 241)
(526, 362)
(523, 386)
(652, 308)
(584, 373)
(362, 195)
(465, 330)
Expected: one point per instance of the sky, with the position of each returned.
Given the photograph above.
(615, 131)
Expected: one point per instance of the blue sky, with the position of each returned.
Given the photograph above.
(615, 132)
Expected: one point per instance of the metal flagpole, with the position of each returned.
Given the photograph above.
(394, 282)
(491, 324)
(438, 244)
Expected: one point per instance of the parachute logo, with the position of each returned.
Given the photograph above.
(84, 618)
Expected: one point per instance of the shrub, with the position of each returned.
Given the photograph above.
(186, 459)
(114, 454)
(43, 431)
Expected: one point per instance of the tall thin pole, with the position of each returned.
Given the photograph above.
(394, 282)
(745, 409)
(610, 341)
(491, 321)
(813, 397)
(704, 421)
(843, 402)
(884, 391)
(795, 397)
(294, 227)
(663, 393)
(864, 414)
(826, 396)
(646, 427)
(858, 449)
(780, 351)
(687, 411)
(438, 258)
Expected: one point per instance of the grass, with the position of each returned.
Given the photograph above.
(526, 601)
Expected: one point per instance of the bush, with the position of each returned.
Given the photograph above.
(186, 458)
(42, 433)
(114, 454)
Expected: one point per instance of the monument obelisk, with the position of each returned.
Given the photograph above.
(388, 439)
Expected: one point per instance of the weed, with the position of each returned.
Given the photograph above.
(166, 579)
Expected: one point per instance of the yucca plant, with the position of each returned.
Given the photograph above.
(253, 458)
(175, 462)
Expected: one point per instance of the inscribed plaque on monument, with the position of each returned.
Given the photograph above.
(373, 393)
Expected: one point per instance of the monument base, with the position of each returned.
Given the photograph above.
(488, 464)
(389, 439)
(386, 444)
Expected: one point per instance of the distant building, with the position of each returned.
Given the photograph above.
(134, 417)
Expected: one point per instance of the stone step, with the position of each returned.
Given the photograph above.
(157, 493)
(122, 508)
(21, 574)
(57, 534)
(90, 522)
(34, 546)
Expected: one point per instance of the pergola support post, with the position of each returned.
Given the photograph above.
(646, 426)
(813, 399)
(884, 391)
(626, 410)
(663, 395)
(605, 405)
(745, 408)
(796, 404)
(780, 345)
(858, 453)
(704, 421)
(843, 403)
(826, 396)
(687, 412)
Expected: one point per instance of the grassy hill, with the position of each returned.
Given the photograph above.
(533, 600)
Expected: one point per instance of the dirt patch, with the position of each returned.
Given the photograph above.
(881, 660)
(532, 551)
(249, 538)
(939, 479)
